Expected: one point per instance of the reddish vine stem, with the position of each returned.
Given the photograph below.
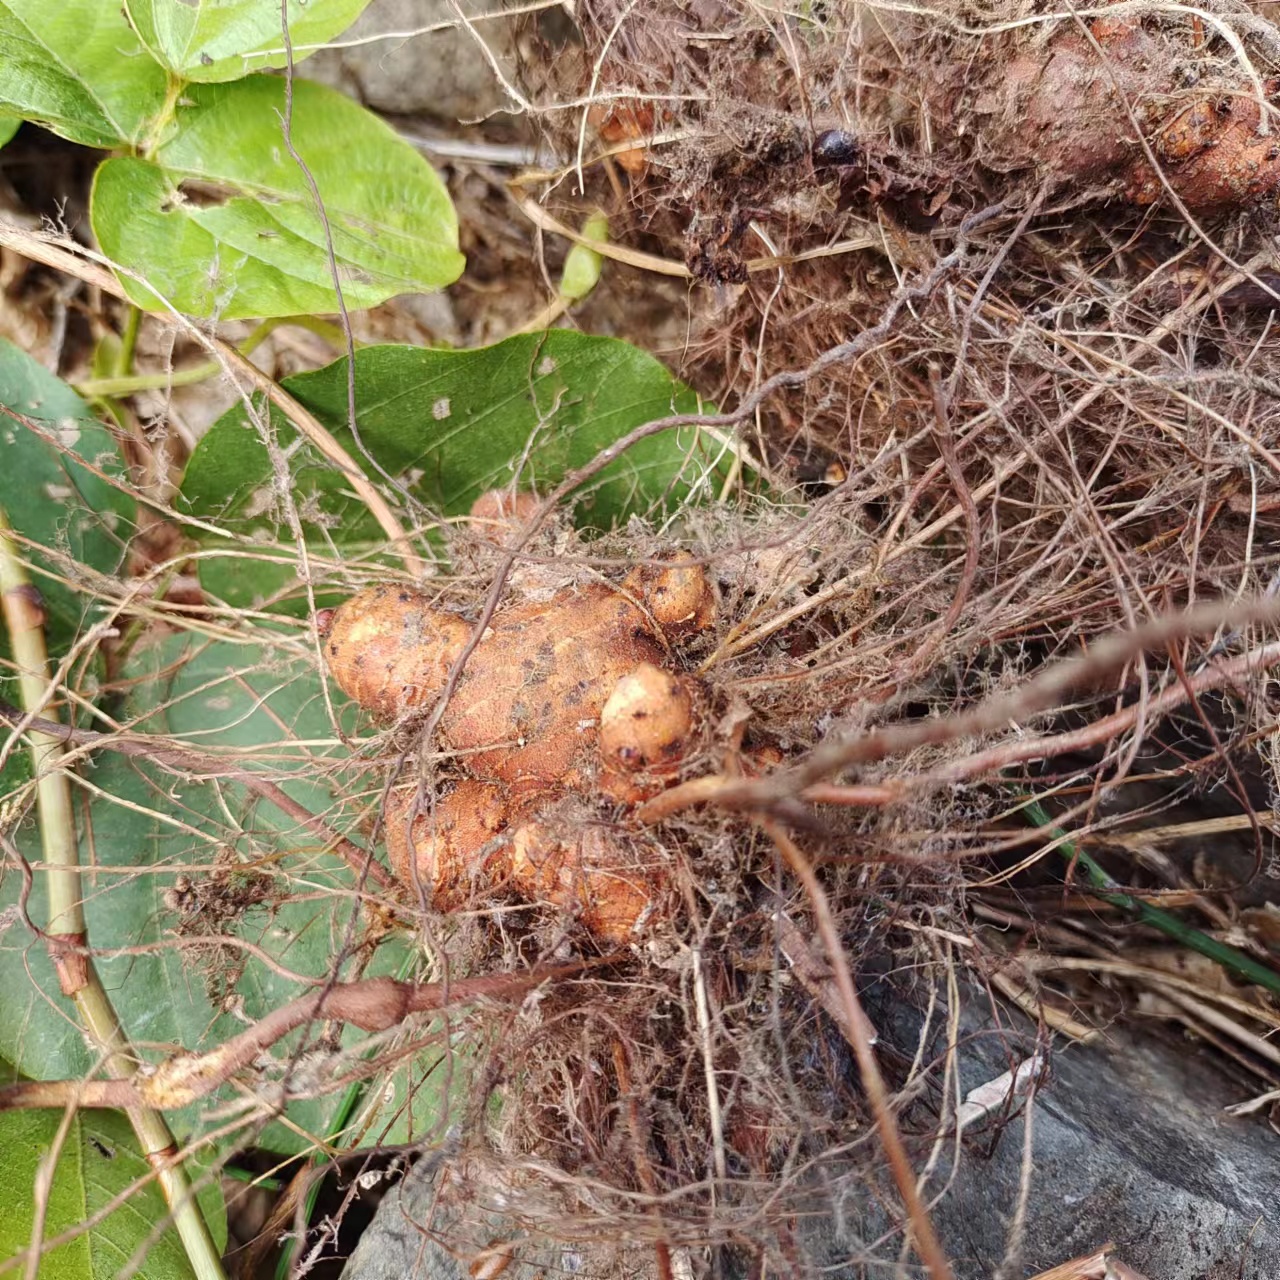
(372, 1004)
(715, 788)
(1040, 694)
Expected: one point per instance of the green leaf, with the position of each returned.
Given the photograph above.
(250, 872)
(53, 501)
(210, 40)
(71, 523)
(9, 125)
(449, 425)
(76, 67)
(221, 220)
(98, 1161)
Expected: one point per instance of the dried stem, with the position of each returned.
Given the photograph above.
(1092, 1266)
(639, 1133)
(1038, 695)
(66, 936)
(727, 789)
(856, 1027)
(372, 1004)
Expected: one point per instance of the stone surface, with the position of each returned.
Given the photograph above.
(1130, 1146)
(442, 73)
(425, 1229)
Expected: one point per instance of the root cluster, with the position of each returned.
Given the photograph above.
(1073, 433)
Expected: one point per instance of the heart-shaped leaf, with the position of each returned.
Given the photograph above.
(70, 522)
(448, 425)
(210, 40)
(77, 67)
(221, 220)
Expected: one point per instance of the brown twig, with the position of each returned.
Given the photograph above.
(727, 789)
(372, 1004)
(818, 980)
(1038, 695)
(640, 1143)
(1046, 747)
(1092, 1266)
(856, 1026)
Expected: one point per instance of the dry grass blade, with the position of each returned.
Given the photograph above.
(1092, 1266)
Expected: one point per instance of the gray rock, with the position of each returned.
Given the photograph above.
(1130, 1145)
(442, 73)
(428, 1228)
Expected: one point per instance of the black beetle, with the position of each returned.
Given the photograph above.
(835, 146)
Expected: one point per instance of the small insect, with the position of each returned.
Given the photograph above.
(835, 146)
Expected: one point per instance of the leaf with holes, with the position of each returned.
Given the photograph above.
(76, 67)
(221, 220)
(98, 1161)
(225, 39)
(443, 426)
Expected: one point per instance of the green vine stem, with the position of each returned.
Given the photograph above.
(160, 125)
(126, 383)
(66, 937)
(1237, 962)
(128, 341)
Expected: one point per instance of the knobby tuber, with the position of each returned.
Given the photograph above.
(585, 867)
(1078, 102)
(538, 679)
(390, 649)
(498, 512)
(648, 721)
(451, 847)
(680, 597)
(564, 704)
